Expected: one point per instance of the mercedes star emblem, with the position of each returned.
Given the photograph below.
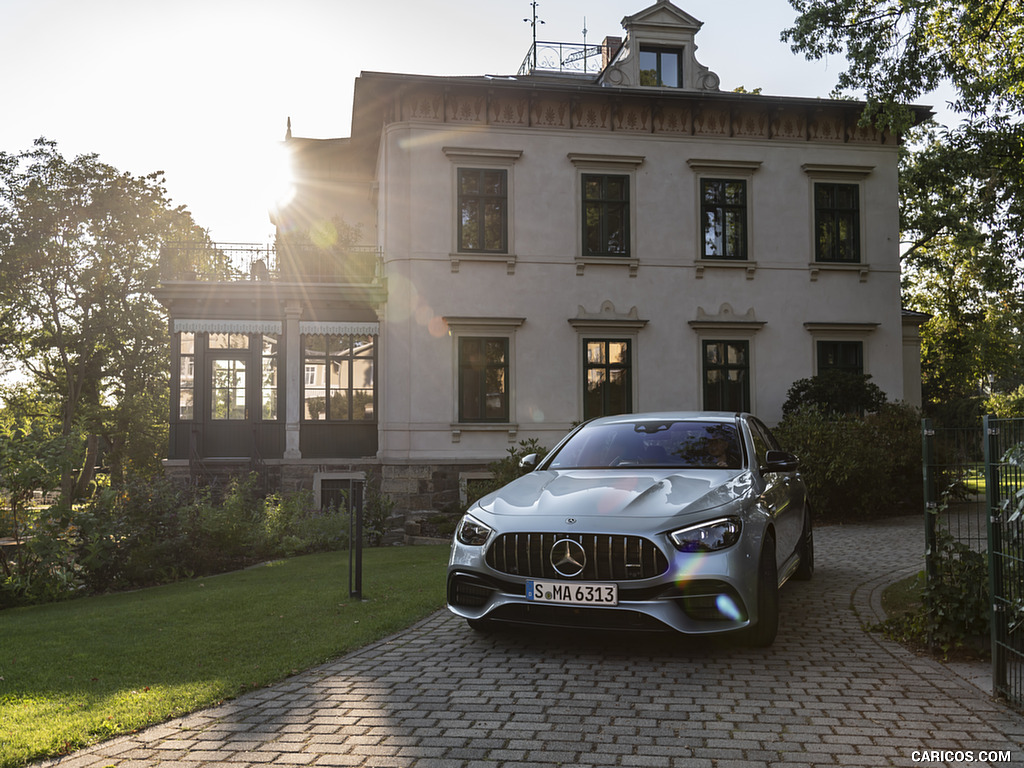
(568, 557)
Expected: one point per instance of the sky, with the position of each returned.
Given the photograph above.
(202, 89)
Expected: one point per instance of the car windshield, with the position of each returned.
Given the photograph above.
(672, 444)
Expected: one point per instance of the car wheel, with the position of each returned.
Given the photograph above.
(762, 634)
(806, 550)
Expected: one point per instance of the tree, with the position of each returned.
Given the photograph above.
(973, 339)
(79, 249)
(962, 187)
(31, 459)
(897, 51)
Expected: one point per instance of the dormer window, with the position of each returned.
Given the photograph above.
(661, 66)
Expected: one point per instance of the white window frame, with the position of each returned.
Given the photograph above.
(841, 332)
(727, 170)
(481, 158)
(488, 327)
(614, 165)
(855, 175)
(726, 325)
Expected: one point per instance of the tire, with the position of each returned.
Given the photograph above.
(806, 550)
(763, 633)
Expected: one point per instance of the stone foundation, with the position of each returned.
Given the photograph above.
(412, 487)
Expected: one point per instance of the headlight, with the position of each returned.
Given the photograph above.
(472, 532)
(707, 537)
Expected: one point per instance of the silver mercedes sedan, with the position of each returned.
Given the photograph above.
(680, 521)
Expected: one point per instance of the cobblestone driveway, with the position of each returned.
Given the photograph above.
(441, 696)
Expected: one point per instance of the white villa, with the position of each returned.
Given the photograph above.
(604, 232)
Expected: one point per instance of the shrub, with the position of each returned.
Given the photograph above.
(956, 600)
(150, 531)
(954, 609)
(229, 534)
(505, 470)
(857, 466)
(294, 525)
(135, 535)
(835, 391)
(377, 511)
(46, 570)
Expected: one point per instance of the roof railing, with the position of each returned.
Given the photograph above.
(567, 58)
(284, 261)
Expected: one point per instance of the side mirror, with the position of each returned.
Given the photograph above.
(528, 463)
(780, 461)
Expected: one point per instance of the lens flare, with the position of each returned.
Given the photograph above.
(727, 607)
(686, 566)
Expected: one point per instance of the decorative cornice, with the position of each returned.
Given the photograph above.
(841, 328)
(572, 105)
(726, 318)
(492, 323)
(607, 318)
(587, 159)
(701, 166)
(827, 170)
(481, 153)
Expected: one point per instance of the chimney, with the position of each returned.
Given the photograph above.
(609, 50)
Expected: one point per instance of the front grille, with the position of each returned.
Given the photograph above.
(608, 557)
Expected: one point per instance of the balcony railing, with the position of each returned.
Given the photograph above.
(563, 58)
(285, 262)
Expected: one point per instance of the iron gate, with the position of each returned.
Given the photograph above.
(1004, 492)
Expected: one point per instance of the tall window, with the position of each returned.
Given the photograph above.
(607, 369)
(483, 210)
(228, 353)
(605, 215)
(726, 375)
(483, 379)
(227, 396)
(847, 356)
(660, 66)
(186, 376)
(837, 222)
(269, 378)
(723, 212)
(338, 380)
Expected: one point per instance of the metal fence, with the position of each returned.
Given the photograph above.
(954, 485)
(562, 58)
(1004, 486)
(974, 490)
(284, 261)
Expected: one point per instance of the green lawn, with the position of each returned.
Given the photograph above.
(82, 671)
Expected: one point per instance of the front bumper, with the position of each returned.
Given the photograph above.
(698, 594)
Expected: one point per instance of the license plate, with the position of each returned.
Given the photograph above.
(571, 593)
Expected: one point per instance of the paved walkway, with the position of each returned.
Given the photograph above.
(441, 696)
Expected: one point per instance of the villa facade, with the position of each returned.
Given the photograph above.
(606, 231)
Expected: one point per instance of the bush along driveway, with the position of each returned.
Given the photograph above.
(828, 693)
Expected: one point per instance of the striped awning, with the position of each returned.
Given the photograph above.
(183, 325)
(311, 327)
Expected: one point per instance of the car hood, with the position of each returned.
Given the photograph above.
(606, 495)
